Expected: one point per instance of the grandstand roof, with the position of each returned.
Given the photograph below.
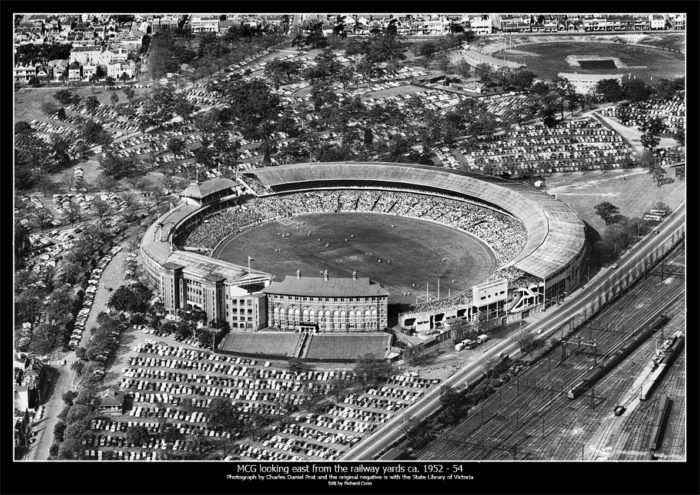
(213, 270)
(155, 241)
(555, 233)
(200, 190)
(333, 287)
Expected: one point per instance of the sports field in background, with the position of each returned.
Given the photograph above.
(549, 59)
(409, 253)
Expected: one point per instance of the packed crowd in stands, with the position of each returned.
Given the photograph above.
(504, 234)
(571, 146)
(670, 111)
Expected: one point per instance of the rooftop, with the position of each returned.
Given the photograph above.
(212, 269)
(199, 190)
(333, 287)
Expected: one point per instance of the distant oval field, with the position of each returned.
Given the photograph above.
(549, 59)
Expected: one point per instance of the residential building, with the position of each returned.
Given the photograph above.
(23, 73)
(116, 69)
(204, 23)
(88, 72)
(481, 25)
(657, 21)
(86, 55)
(74, 72)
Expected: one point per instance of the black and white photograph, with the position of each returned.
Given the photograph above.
(345, 248)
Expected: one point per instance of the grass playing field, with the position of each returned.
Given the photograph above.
(347, 346)
(410, 252)
(268, 343)
(548, 59)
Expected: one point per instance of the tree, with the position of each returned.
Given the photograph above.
(654, 167)
(78, 367)
(114, 98)
(485, 74)
(91, 103)
(137, 435)
(297, 366)
(427, 50)
(22, 245)
(93, 132)
(49, 108)
(42, 218)
(609, 89)
(133, 298)
(102, 208)
(60, 429)
(66, 97)
(526, 342)
(106, 182)
(606, 211)
(370, 370)
(221, 415)
(636, 90)
(118, 167)
(68, 397)
(129, 92)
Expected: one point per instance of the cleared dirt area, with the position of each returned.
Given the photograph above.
(633, 191)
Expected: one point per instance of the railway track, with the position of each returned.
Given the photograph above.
(519, 403)
(673, 446)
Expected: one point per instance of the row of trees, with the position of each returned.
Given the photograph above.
(635, 90)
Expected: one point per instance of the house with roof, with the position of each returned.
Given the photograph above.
(111, 402)
(86, 55)
(74, 72)
(23, 73)
(89, 71)
(657, 21)
(116, 68)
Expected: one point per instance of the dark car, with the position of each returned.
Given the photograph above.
(619, 410)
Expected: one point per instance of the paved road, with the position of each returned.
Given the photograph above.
(112, 276)
(577, 302)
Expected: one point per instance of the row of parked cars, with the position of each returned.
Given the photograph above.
(83, 314)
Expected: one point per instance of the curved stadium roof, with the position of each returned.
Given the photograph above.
(555, 233)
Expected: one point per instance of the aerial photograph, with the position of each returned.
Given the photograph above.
(349, 237)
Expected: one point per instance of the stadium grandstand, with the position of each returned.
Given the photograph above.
(542, 266)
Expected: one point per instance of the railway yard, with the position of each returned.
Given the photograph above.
(532, 417)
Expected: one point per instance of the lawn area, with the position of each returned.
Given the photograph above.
(632, 191)
(548, 59)
(269, 343)
(411, 251)
(347, 346)
(28, 101)
(399, 90)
